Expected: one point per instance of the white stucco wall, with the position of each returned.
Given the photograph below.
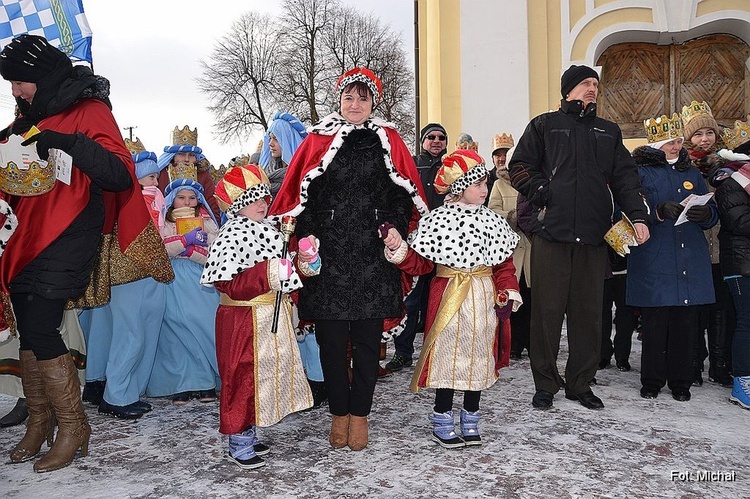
(494, 70)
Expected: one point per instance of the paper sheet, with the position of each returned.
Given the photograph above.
(690, 201)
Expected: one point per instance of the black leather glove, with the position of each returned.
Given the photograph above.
(50, 139)
(699, 214)
(669, 210)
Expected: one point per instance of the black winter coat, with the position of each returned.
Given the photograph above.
(734, 234)
(572, 166)
(427, 167)
(346, 205)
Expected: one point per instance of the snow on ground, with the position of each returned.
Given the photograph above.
(632, 448)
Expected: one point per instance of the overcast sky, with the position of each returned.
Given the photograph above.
(150, 52)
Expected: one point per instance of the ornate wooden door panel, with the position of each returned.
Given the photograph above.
(634, 85)
(713, 69)
(643, 80)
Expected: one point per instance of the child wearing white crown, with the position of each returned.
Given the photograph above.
(263, 379)
(475, 287)
(185, 364)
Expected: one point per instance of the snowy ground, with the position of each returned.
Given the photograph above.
(632, 448)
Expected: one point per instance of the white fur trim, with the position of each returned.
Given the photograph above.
(335, 125)
(9, 226)
(733, 156)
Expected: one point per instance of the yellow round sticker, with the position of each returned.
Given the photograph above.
(688, 185)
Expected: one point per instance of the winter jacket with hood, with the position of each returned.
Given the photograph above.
(734, 209)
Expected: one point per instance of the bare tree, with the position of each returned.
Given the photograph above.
(305, 80)
(239, 78)
(358, 40)
(292, 64)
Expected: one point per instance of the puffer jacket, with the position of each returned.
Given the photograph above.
(734, 235)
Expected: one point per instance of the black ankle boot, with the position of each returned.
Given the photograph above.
(93, 392)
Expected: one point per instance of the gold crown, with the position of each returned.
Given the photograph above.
(465, 145)
(34, 181)
(218, 173)
(182, 170)
(135, 147)
(693, 110)
(504, 141)
(735, 137)
(663, 128)
(185, 137)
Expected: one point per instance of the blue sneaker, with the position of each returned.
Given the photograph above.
(741, 391)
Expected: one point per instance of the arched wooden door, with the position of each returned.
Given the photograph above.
(644, 80)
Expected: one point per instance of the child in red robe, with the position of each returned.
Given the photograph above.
(472, 247)
(262, 376)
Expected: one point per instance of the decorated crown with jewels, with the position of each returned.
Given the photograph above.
(37, 179)
(185, 137)
(735, 137)
(135, 147)
(182, 170)
(693, 110)
(663, 128)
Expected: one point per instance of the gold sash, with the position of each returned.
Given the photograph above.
(453, 296)
(264, 299)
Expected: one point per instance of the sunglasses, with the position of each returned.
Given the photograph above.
(437, 137)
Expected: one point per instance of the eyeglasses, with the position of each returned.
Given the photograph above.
(437, 137)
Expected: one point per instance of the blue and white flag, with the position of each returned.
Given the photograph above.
(61, 22)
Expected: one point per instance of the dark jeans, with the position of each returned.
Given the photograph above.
(625, 321)
(520, 320)
(567, 279)
(344, 396)
(667, 353)
(740, 289)
(416, 309)
(444, 400)
(38, 320)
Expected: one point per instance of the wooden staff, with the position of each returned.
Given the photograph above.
(287, 229)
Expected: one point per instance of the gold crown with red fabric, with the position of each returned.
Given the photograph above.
(459, 170)
(241, 186)
(365, 76)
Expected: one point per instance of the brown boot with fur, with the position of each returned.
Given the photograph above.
(357, 432)
(339, 431)
(64, 393)
(41, 423)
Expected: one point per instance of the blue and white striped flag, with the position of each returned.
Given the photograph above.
(61, 22)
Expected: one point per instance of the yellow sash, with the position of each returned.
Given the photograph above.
(453, 296)
(265, 299)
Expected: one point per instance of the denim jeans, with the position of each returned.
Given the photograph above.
(740, 289)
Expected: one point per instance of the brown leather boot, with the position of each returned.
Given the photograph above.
(357, 432)
(339, 431)
(41, 422)
(64, 393)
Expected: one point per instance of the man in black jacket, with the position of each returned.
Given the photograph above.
(434, 140)
(572, 166)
